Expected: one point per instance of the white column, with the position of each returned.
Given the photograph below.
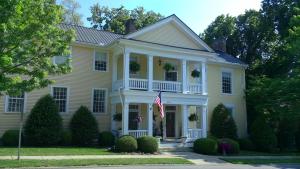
(125, 118)
(150, 119)
(184, 112)
(114, 70)
(204, 121)
(126, 61)
(112, 112)
(150, 72)
(184, 77)
(204, 80)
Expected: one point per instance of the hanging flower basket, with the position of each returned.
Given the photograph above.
(134, 67)
(195, 73)
(117, 117)
(193, 117)
(168, 67)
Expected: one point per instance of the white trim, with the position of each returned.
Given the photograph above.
(68, 96)
(107, 60)
(105, 101)
(6, 97)
(231, 71)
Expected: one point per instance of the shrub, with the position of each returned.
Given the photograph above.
(230, 146)
(298, 138)
(205, 146)
(106, 139)
(286, 133)
(147, 144)
(10, 138)
(44, 124)
(84, 127)
(246, 144)
(222, 124)
(126, 143)
(262, 135)
(66, 138)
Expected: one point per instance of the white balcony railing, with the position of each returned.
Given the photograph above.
(167, 86)
(140, 84)
(194, 133)
(195, 88)
(138, 133)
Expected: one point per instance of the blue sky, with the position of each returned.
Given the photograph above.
(197, 14)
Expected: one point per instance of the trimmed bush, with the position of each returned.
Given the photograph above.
(246, 144)
(84, 127)
(66, 138)
(263, 135)
(126, 143)
(229, 146)
(44, 124)
(286, 133)
(147, 144)
(222, 124)
(298, 138)
(106, 139)
(205, 146)
(10, 138)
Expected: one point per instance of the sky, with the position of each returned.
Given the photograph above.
(197, 14)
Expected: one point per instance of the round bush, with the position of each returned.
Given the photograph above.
(263, 135)
(10, 138)
(230, 146)
(246, 144)
(147, 144)
(222, 124)
(106, 139)
(84, 127)
(66, 138)
(126, 144)
(44, 124)
(205, 146)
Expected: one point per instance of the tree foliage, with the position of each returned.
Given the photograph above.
(114, 19)
(70, 12)
(30, 37)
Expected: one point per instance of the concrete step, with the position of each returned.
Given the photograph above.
(175, 149)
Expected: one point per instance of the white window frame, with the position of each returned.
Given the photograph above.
(105, 101)
(6, 104)
(107, 61)
(227, 70)
(231, 106)
(68, 97)
(69, 57)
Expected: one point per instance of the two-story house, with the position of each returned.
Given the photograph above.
(168, 52)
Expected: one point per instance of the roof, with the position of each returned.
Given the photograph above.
(229, 58)
(91, 35)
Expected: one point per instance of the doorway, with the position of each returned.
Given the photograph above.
(170, 121)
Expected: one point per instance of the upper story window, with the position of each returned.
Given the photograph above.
(60, 96)
(99, 100)
(171, 75)
(101, 61)
(15, 103)
(58, 60)
(226, 82)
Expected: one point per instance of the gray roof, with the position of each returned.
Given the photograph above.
(229, 58)
(91, 35)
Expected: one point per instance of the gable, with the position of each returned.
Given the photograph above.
(169, 34)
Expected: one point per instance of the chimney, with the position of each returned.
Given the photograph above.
(219, 44)
(129, 26)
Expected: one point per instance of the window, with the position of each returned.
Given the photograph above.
(99, 98)
(60, 95)
(171, 76)
(58, 60)
(15, 103)
(100, 61)
(226, 82)
(230, 109)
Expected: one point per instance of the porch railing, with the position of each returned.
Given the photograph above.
(195, 88)
(194, 133)
(141, 84)
(138, 133)
(167, 86)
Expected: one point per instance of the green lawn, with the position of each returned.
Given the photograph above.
(255, 153)
(263, 161)
(4, 151)
(87, 162)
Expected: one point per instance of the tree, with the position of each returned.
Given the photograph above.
(114, 19)
(30, 37)
(70, 14)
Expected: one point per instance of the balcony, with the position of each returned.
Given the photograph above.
(157, 85)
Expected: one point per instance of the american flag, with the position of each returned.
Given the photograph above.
(160, 105)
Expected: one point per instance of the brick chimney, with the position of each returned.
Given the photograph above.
(129, 26)
(219, 44)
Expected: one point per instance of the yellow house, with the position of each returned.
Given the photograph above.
(123, 74)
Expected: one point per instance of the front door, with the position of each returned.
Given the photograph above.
(133, 115)
(170, 121)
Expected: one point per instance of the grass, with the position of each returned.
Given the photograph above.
(89, 162)
(263, 161)
(256, 153)
(5, 151)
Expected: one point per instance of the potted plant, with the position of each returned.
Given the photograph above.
(117, 117)
(193, 117)
(134, 67)
(195, 73)
(168, 67)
